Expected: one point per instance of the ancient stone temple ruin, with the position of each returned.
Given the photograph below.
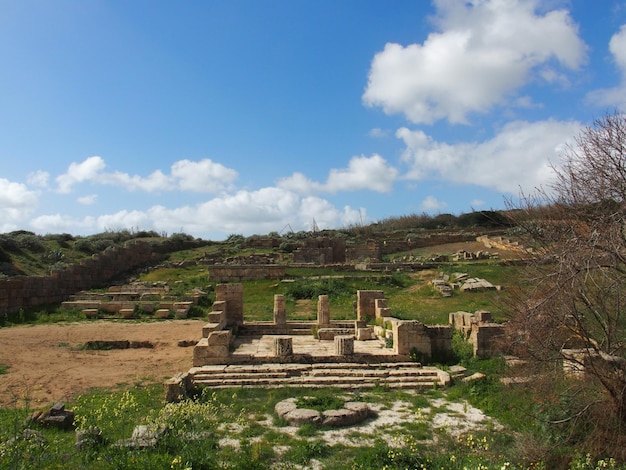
(373, 349)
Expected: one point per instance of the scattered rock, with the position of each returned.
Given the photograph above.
(474, 376)
(57, 416)
(30, 435)
(143, 437)
(88, 438)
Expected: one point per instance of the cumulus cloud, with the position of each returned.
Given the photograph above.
(202, 176)
(484, 51)
(247, 212)
(363, 172)
(615, 96)
(155, 181)
(38, 178)
(378, 133)
(520, 156)
(431, 203)
(185, 175)
(87, 170)
(88, 199)
(16, 203)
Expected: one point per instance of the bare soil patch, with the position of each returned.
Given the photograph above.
(45, 362)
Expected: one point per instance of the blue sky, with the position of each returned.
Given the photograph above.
(250, 116)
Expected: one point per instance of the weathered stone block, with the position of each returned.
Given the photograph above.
(162, 313)
(344, 345)
(408, 335)
(330, 333)
(176, 388)
(280, 312)
(364, 334)
(283, 346)
(127, 313)
(323, 311)
(90, 312)
(366, 307)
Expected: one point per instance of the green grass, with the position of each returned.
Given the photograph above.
(228, 429)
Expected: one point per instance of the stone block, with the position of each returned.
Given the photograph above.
(366, 307)
(364, 334)
(283, 346)
(219, 338)
(280, 313)
(232, 294)
(176, 388)
(215, 317)
(90, 312)
(330, 333)
(162, 313)
(344, 345)
(408, 335)
(127, 313)
(323, 311)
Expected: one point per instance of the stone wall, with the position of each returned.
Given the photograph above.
(366, 251)
(30, 291)
(250, 272)
(501, 243)
(321, 250)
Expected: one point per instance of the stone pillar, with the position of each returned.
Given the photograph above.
(323, 312)
(381, 308)
(232, 294)
(280, 315)
(283, 346)
(366, 307)
(344, 345)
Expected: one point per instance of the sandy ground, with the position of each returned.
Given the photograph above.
(45, 363)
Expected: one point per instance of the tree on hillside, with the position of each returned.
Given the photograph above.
(574, 306)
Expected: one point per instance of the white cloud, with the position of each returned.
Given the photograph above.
(519, 156)
(363, 173)
(484, 52)
(299, 183)
(431, 203)
(38, 178)
(155, 181)
(247, 212)
(378, 133)
(474, 203)
(87, 200)
(615, 96)
(201, 176)
(88, 170)
(16, 203)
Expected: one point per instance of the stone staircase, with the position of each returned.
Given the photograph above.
(292, 328)
(344, 375)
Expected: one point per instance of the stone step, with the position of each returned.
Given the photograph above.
(292, 382)
(341, 375)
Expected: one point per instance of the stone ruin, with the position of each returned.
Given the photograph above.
(445, 284)
(480, 330)
(373, 349)
(126, 300)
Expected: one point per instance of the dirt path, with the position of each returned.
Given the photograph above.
(45, 364)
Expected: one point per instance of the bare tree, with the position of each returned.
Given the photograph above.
(574, 309)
